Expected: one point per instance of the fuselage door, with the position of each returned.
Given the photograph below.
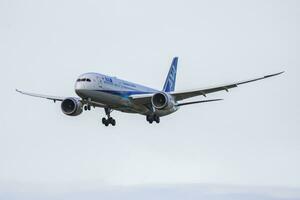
(99, 82)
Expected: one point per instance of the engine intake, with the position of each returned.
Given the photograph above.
(160, 100)
(71, 106)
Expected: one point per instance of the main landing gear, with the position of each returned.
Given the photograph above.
(109, 119)
(152, 118)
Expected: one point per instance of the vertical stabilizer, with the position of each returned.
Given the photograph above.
(171, 78)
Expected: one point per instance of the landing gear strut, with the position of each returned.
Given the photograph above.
(152, 118)
(109, 119)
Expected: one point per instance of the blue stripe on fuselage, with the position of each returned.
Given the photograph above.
(125, 94)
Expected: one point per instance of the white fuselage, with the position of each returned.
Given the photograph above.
(114, 92)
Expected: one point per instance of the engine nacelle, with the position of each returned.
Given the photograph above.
(162, 101)
(71, 106)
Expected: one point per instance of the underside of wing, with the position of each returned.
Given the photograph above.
(57, 98)
(54, 98)
(141, 99)
(192, 93)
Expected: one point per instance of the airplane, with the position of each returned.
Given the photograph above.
(111, 93)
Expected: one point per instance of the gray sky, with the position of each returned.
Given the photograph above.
(251, 138)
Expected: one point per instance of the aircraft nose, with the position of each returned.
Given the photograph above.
(79, 87)
(79, 91)
(82, 85)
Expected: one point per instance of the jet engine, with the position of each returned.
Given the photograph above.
(71, 106)
(162, 101)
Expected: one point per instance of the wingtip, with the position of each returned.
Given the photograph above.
(276, 74)
(214, 100)
(19, 91)
(219, 99)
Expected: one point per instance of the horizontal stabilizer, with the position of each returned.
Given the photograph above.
(194, 102)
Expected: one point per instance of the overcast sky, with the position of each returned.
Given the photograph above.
(251, 138)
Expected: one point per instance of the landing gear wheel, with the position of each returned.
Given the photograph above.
(104, 120)
(156, 119)
(150, 119)
(87, 107)
(113, 122)
(109, 119)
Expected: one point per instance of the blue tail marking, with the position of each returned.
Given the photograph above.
(171, 78)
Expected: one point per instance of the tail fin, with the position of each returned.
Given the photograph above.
(171, 78)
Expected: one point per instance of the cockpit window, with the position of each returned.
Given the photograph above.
(84, 79)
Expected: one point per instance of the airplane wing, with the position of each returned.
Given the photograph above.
(192, 93)
(56, 98)
(146, 98)
(53, 98)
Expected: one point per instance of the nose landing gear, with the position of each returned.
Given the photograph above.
(109, 119)
(87, 107)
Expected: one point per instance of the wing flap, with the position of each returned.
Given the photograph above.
(194, 102)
